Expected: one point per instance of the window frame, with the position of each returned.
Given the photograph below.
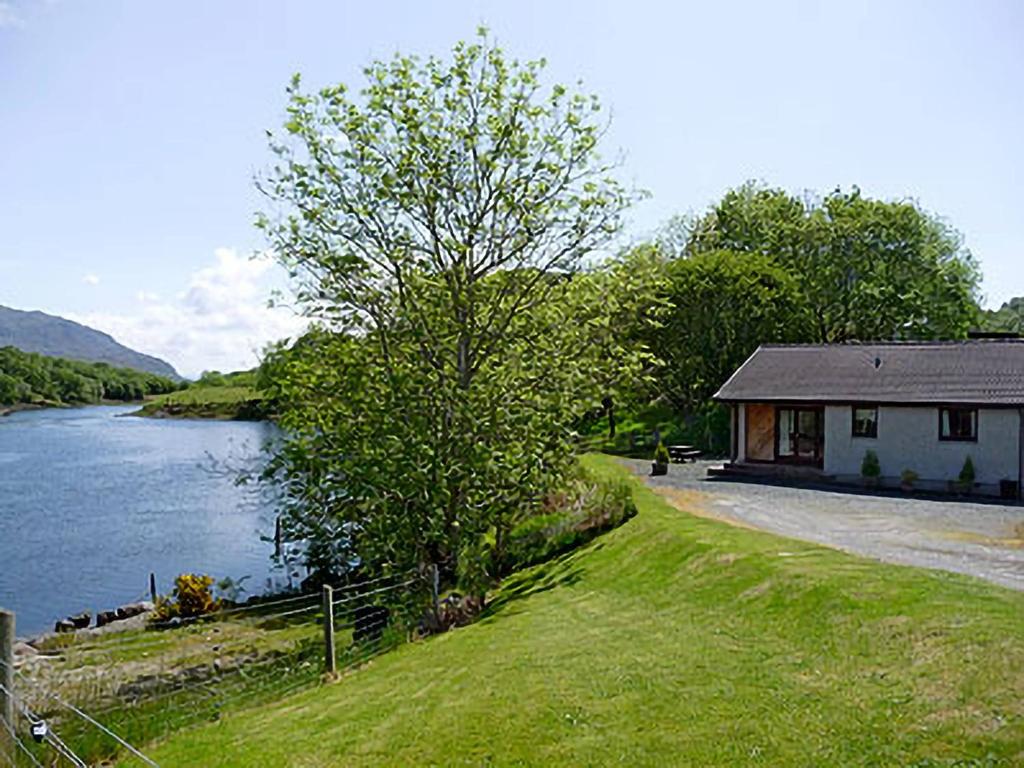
(973, 438)
(853, 421)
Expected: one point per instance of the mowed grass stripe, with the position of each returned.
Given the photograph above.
(674, 640)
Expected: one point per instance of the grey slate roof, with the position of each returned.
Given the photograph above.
(977, 372)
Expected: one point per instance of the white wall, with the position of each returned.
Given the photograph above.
(908, 438)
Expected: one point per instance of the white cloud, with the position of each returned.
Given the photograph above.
(9, 16)
(90, 279)
(220, 321)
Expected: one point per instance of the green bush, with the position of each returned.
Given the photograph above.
(967, 473)
(908, 477)
(661, 455)
(192, 596)
(589, 507)
(870, 467)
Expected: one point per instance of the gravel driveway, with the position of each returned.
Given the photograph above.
(977, 538)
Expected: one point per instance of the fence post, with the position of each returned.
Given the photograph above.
(152, 587)
(329, 660)
(6, 670)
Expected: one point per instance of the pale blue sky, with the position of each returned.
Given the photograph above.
(130, 131)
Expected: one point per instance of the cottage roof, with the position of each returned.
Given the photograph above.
(975, 372)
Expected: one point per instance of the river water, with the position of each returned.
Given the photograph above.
(91, 502)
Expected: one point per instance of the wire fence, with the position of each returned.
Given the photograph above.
(83, 699)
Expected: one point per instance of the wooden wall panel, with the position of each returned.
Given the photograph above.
(760, 432)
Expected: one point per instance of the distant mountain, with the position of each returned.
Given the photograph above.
(57, 337)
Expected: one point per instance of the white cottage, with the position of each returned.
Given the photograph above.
(922, 407)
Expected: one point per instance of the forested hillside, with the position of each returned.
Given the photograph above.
(26, 377)
(58, 337)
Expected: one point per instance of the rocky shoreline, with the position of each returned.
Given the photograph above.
(7, 410)
(121, 619)
(242, 410)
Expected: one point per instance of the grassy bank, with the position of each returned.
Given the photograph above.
(674, 640)
(241, 403)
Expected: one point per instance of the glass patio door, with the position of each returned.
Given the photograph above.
(800, 435)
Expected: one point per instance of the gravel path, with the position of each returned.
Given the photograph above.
(977, 538)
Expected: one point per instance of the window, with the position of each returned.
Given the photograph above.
(865, 421)
(958, 424)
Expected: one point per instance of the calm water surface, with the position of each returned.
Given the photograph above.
(91, 503)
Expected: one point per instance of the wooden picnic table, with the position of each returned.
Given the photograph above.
(683, 453)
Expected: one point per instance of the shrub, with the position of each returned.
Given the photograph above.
(908, 477)
(589, 507)
(661, 454)
(870, 467)
(967, 474)
(192, 596)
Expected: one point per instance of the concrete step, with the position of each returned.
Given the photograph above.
(793, 471)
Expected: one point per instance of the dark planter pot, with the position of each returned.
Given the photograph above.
(659, 469)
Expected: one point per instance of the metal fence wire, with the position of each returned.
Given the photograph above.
(82, 699)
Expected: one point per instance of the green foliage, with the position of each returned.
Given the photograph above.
(192, 597)
(967, 473)
(908, 477)
(1009, 318)
(590, 505)
(636, 428)
(661, 455)
(763, 266)
(867, 269)
(441, 243)
(722, 306)
(870, 466)
(210, 379)
(26, 377)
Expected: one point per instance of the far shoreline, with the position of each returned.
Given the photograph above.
(7, 410)
(12, 408)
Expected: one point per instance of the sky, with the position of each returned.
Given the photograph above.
(130, 132)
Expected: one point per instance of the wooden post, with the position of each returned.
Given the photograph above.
(329, 660)
(6, 670)
(152, 587)
(278, 539)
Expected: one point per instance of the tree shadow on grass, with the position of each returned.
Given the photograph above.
(557, 572)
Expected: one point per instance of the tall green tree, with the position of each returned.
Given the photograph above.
(868, 269)
(436, 223)
(722, 305)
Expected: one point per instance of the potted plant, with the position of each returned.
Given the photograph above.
(966, 479)
(661, 458)
(871, 469)
(907, 479)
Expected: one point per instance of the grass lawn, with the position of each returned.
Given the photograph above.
(196, 395)
(674, 640)
(210, 402)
